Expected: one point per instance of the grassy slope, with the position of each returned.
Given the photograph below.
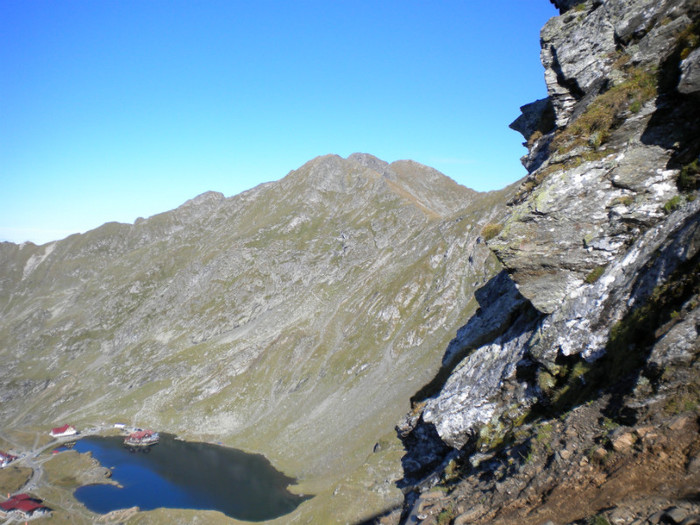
(295, 320)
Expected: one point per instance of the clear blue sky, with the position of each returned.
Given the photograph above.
(114, 109)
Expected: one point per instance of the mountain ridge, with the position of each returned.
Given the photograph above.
(272, 321)
(408, 349)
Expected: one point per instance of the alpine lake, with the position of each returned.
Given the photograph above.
(187, 475)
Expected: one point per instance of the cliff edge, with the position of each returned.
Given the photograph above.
(573, 393)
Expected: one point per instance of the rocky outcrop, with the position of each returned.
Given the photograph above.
(603, 244)
(565, 5)
(582, 49)
(535, 116)
(485, 382)
(481, 355)
(624, 284)
(597, 192)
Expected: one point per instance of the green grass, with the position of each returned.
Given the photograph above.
(593, 127)
(594, 274)
(13, 478)
(491, 230)
(445, 516)
(598, 519)
(689, 177)
(673, 204)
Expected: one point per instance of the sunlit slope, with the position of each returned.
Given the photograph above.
(295, 319)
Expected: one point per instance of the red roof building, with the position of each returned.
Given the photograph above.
(65, 430)
(28, 505)
(6, 459)
(142, 438)
(23, 505)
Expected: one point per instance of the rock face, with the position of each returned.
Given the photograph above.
(613, 172)
(602, 243)
(581, 50)
(690, 73)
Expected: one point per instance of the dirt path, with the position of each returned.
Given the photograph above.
(33, 459)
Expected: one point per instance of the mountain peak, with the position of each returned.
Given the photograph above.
(431, 191)
(208, 197)
(369, 161)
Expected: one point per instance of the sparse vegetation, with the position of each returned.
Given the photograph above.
(594, 274)
(544, 434)
(491, 436)
(686, 400)
(491, 230)
(689, 40)
(446, 516)
(451, 471)
(609, 425)
(598, 519)
(536, 135)
(627, 200)
(673, 204)
(593, 126)
(545, 381)
(689, 177)
(13, 478)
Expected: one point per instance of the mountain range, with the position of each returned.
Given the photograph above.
(412, 351)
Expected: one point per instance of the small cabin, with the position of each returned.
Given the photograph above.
(65, 430)
(142, 438)
(23, 506)
(6, 459)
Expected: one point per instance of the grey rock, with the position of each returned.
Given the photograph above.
(579, 48)
(477, 389)
(500, 302)
(693, 466)
(663, 37)
(586, 243)
(633, 20)
(690, 73)
(582, 323)
(536, 116)
(582, 218)
(680, 344)
(565, 5)
(656, 517)
(675, 515)
(369, 161)
(620, 516)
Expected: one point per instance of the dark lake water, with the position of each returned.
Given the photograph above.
(181, 474)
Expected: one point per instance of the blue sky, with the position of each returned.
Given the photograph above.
(113, 110)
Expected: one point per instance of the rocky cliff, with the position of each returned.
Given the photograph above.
(581, 363)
